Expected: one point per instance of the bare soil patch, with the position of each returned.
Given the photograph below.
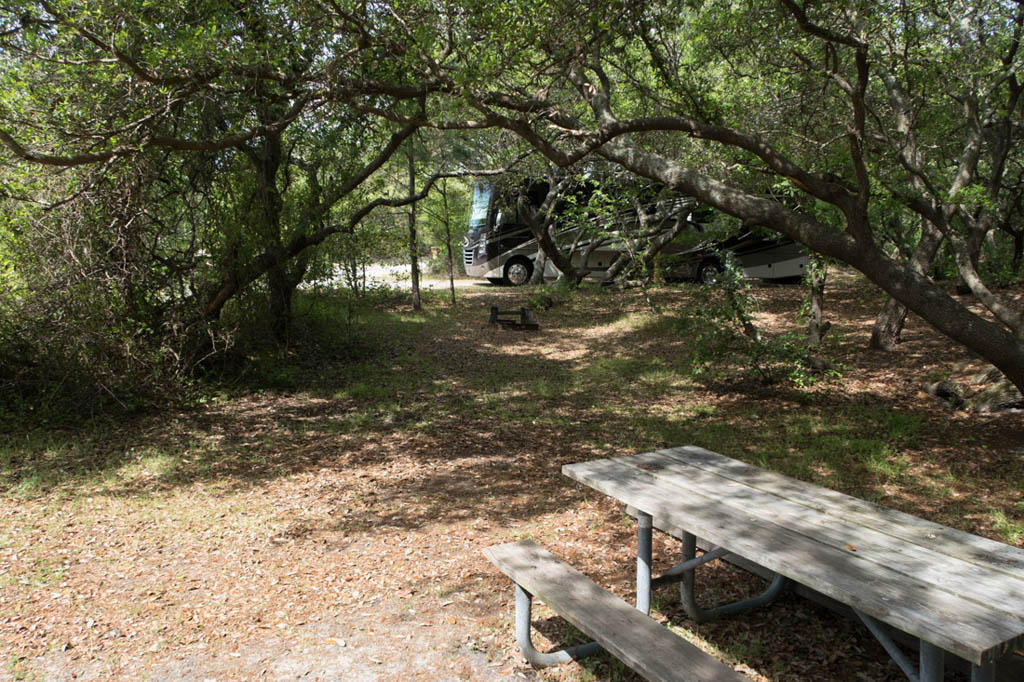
(335, 534)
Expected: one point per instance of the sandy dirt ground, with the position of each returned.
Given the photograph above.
(309, 536)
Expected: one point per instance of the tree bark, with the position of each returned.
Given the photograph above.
(267, 205)
(541, 221)
(414, 244)
(279, 294)
(817, 327)
(448, 239)
(887, 332)
(888, 329)
(540, 263)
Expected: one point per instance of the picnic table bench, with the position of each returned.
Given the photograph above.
(955, 592)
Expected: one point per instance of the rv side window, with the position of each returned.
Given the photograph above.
(481, 207)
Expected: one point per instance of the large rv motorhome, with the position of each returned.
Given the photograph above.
(500, 247)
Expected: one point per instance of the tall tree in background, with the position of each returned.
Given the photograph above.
(414, 241)
(244, 88)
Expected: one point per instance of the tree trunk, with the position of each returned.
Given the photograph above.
(448, 238)
(991, 341)
(414, 244)
(279, 294)
(571, 275)
(888, 329)
(817, 327)
(974, 243)
(1018, 250)
(540, 225)
(266, 157)
(540, 264)
(451, 258)
(654, 246)
(282, 282)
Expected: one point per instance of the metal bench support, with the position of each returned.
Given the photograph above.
(524, 606)
(539, 659)
(676, 573)
(640, 642)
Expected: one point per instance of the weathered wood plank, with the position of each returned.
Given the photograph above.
(967, 580)
(973, 548)
(960, 626)
(643, 644)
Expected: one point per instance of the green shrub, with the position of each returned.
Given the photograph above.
(723, 338)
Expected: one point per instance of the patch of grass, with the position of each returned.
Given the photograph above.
(19, 670)
(34, 462)
(549, 388)
(44, 572)
(361, 391)
(746, 651)
(336, 337)
(496, 375)
(631, 322)
(852, 449)
(610, 369)
(901, 425)
(149, 462)
(888, 466)
(1010, 530)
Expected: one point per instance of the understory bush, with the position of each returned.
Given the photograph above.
(724, 339)
(72, 353)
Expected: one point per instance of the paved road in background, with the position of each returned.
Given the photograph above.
(398, 276)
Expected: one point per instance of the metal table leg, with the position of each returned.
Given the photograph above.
(644, 541)
(983, 673)
(689, 601)
(891, 648)
(932, 663)
(931, 659)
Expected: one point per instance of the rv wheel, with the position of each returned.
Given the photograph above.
(709, 272)
(518, 271)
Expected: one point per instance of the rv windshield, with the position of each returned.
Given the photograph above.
(482, 192)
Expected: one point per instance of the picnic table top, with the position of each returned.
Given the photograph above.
(958, 591)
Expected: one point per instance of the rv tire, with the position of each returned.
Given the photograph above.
(518, 271)
(709, 272)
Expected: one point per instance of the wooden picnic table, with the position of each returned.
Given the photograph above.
(955, 592)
